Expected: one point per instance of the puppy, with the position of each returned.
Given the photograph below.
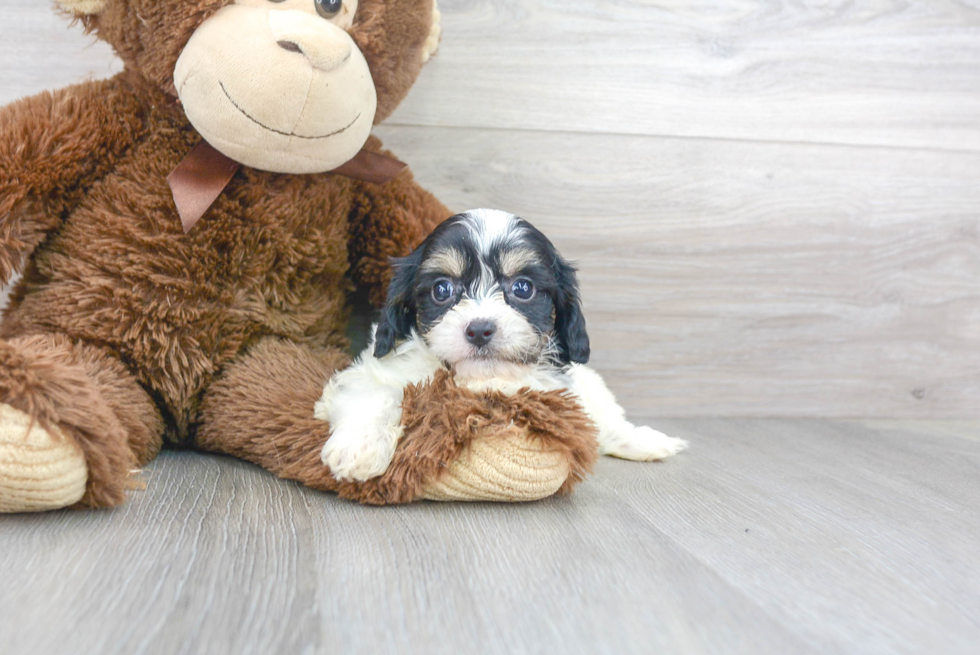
(488, 297)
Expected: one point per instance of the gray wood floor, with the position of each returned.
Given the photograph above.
(768, 536)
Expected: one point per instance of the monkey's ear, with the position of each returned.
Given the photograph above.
(435, 34)
(83, 7)
(398, 315)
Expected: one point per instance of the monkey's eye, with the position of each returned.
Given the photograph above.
(442, 291)
(328, 8)
(523, 289)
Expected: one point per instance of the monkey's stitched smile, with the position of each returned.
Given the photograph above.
(272, 129)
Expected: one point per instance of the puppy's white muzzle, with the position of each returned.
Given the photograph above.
(487, 329)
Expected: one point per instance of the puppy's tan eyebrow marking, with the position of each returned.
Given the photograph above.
(514, 261)
(450, 261)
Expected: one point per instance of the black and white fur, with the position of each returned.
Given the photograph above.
(487, 296)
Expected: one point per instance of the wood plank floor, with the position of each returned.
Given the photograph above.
(768, 536)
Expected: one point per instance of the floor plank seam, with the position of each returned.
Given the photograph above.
(686, 137)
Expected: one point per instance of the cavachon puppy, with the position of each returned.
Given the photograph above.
(488, 297)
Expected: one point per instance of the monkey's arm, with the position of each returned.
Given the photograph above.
(388, 220)
(53, 147)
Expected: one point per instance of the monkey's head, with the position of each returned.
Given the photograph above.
(290, 86)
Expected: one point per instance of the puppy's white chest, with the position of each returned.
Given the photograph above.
(510, 382)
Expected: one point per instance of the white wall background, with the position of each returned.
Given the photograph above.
(775, 205)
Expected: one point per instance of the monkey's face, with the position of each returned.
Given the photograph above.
(279, 86)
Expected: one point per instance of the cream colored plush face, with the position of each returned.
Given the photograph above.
(278, 87)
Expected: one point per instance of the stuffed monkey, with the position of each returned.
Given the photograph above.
(189, 232)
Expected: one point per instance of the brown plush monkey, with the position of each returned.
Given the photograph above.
(209, 309)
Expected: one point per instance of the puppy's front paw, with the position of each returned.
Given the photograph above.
(359, 455)
(641, 444)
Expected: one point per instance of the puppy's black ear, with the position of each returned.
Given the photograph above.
(573, 340)
(398, 315)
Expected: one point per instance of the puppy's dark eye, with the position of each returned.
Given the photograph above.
(523, 289)
(328, 8)
(442, 291)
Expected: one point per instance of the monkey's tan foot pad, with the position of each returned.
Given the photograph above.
(39, 469)
(512, 468)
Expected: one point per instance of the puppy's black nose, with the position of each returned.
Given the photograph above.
(480, 332)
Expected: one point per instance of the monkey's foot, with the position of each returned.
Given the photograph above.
(509, 468)
(39, 469)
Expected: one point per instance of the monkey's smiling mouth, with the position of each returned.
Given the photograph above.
(272, 129)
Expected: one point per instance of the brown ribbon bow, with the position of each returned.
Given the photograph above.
(203, 174)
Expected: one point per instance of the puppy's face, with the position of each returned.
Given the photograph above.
(486, 286)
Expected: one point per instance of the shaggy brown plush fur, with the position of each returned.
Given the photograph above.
(270, 257)
(260, 409)
(433, 439)
(259, 396)
(85, 206)
(124, 332)
(91, 399)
